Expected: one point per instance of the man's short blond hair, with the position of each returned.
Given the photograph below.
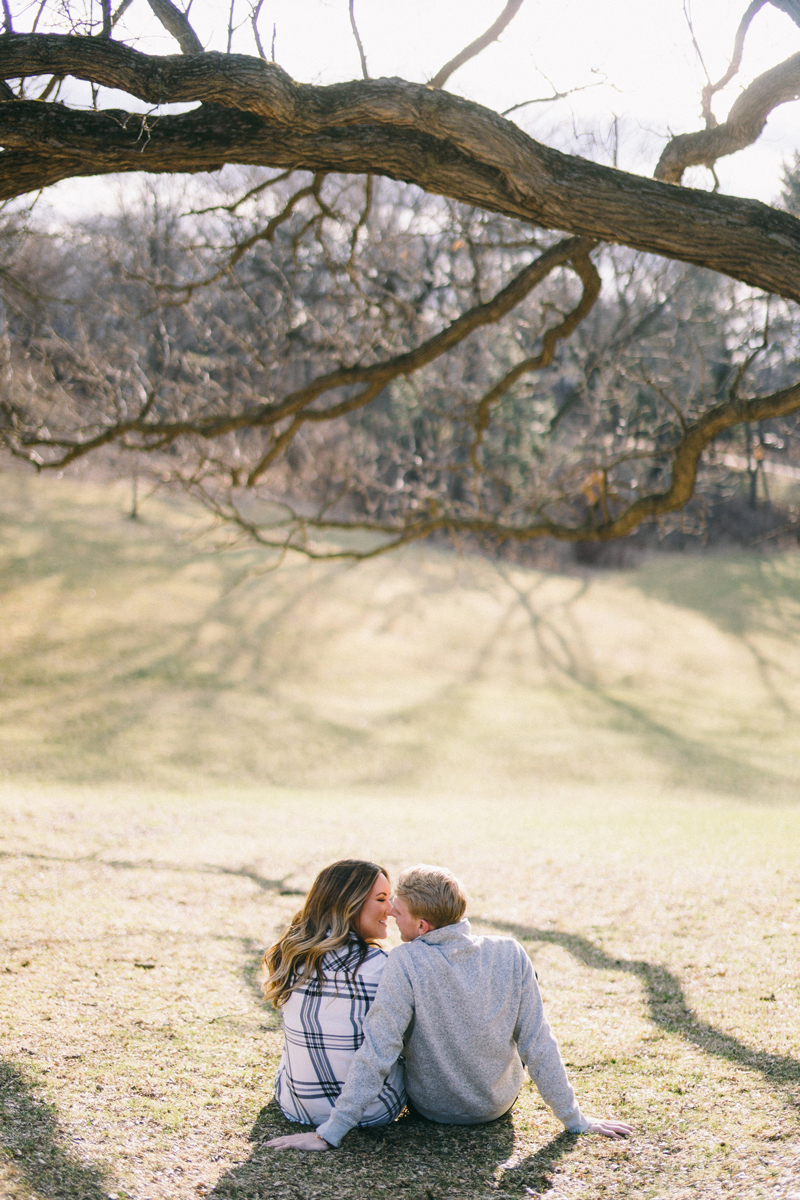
(432, 894)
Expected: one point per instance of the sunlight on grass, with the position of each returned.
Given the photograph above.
(609, 761)
(128, 652)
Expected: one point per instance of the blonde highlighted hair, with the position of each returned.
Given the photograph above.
(432, 894)
(327, 921)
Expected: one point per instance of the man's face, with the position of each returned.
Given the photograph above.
(410, 927)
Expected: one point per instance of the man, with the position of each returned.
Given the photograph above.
(466, 1014)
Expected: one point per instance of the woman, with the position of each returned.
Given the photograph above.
(323, 973)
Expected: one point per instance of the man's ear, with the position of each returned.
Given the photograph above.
(425, 926)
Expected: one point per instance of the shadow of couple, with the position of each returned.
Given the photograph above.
(413, 1158)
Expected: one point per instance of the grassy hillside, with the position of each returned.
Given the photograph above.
(128, 652)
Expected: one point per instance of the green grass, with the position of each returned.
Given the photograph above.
(609, 762)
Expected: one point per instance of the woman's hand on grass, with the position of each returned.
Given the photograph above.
(609, 1129)
(299, 1141)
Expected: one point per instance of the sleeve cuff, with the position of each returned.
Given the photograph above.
(334, 1129)
(577, 1125)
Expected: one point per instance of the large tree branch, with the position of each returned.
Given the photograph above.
(253, 113)
(744, 125)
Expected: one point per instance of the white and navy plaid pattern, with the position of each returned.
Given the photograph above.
(322, 1031)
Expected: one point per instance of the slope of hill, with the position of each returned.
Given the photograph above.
(129, 652)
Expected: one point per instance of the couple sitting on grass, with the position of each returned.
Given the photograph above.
(445, 1023)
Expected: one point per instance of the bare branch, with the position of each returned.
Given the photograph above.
(7, 24)
(105, 6)
(176, 23)
(555, 96)
(474, 48)
(255, 13)
(261, 235)
(589, 275)
(123, 8)
(745, 122)
(231, 26)
(363, 217)
(248, 195)
(356, 35)
(736, 61)
(381, 127)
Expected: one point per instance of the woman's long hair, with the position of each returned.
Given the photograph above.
(325, 922)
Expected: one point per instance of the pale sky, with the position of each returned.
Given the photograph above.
(639, 53)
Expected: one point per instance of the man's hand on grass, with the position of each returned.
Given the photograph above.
(299, 1141)
(609, 1129)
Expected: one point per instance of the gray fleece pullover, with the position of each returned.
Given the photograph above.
(467, 1014)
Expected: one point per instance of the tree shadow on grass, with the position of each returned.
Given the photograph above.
(688, 760)
(31, 1136)
(149, 864)
(667, 1005)
(412, 1158)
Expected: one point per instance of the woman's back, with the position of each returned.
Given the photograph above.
(322, 1031)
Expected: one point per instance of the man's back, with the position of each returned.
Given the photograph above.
(462, 1063)
(466, 1013)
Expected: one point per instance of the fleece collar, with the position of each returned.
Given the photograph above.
(447, 933)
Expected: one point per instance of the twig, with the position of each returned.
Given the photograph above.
(254, 191)
(363, 217)
(230, 25)
(356, 35)
(555, 96)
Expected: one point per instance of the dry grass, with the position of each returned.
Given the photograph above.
(609, 764)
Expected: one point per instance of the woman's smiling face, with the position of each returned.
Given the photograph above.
(370, 924)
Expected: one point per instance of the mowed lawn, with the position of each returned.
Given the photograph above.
(608, 760)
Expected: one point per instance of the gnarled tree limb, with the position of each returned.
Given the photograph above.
(746, 120)
(253, 113)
